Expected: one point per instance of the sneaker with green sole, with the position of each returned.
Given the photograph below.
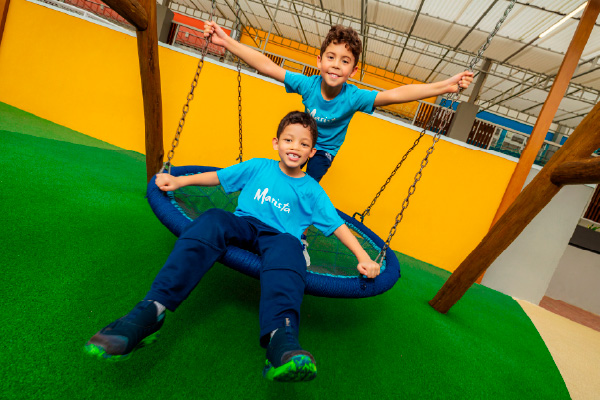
(286, 360)
(118, 340)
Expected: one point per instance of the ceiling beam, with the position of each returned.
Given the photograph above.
(272, 18)
(293, 4)
(412, 27)
(486, 12)
(534, 86)
(363, 31)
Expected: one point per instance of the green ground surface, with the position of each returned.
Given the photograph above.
(81, 247)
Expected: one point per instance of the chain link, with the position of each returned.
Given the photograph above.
(445, 116)
(239, 79)
(186, 108)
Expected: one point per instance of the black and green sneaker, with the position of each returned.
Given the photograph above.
(286, 361)
(118, 340)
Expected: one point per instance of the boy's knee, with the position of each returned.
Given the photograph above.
(286, 256)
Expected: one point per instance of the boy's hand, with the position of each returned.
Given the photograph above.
(462, 80)
(167, 183)
(369, 268)
(219, 36)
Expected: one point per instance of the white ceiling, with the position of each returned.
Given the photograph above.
(429, 40)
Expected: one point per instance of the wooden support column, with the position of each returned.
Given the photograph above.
(147, 41)
(3, 14)
(132, 11)
(577, 172)
(557, 92)
(580, 145)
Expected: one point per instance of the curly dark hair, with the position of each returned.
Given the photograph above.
(340, 34)
(299, 117)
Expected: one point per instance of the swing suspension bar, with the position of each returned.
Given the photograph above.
(445, 115)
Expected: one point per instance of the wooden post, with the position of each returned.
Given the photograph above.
(557, 92)
(3, 13)
(577, 172)
(542, 125)
(147, 41)
(132, 11)
(580, 145)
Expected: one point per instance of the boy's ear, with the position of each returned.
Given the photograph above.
(275, 143)
(312, 152)
(319, 62)
(354, 71)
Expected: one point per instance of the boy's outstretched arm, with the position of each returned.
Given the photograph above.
(403, 94)
(256, 60)
(167, 183)
(366, 266)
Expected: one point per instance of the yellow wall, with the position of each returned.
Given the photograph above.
(86, 77)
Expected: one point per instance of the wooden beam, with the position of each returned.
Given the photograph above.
(147, 42)
(132, 11)
(557, 92)
(3, 14)
(581, 144)
(577, 172)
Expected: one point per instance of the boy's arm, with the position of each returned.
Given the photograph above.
(366, 266)
(167, 183)
(403, 94)
(256, 60)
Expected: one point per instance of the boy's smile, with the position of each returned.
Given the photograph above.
(295, 147)
(337, 66)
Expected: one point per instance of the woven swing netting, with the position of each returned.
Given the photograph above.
(332, 272)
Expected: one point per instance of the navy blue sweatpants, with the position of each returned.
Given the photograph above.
(319, 164)
(282, 275)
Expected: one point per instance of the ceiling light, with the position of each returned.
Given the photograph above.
(565, 19)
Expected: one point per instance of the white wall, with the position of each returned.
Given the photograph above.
(527, 266)
(577, 279)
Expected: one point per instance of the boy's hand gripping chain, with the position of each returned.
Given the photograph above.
(445, 118)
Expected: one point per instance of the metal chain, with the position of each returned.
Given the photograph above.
(186, 108)
(472, 64)
(484, 47)
(446, 118)
(239, 79)
(389, 179)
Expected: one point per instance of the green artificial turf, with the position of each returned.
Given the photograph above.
(81, 246)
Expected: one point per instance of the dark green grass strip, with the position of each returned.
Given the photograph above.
(80, 247)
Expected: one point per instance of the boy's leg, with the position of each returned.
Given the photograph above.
(318, 165)
(282, 283)
(196, 250)
(194, 253)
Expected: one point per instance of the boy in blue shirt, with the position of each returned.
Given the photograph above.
(327, 97)
(278, 201)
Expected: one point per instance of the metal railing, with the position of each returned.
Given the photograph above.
(503, 140)
(94, 10)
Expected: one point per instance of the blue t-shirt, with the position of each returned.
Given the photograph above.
(333, 116)
(287, 204)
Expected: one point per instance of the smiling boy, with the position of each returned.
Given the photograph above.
(277, 202)
(327, 96)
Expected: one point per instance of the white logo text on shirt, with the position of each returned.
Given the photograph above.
(262, 197)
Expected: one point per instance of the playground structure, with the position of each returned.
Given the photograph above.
(570, 166)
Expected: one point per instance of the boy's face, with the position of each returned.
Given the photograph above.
(336, 64)
(295, 147)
